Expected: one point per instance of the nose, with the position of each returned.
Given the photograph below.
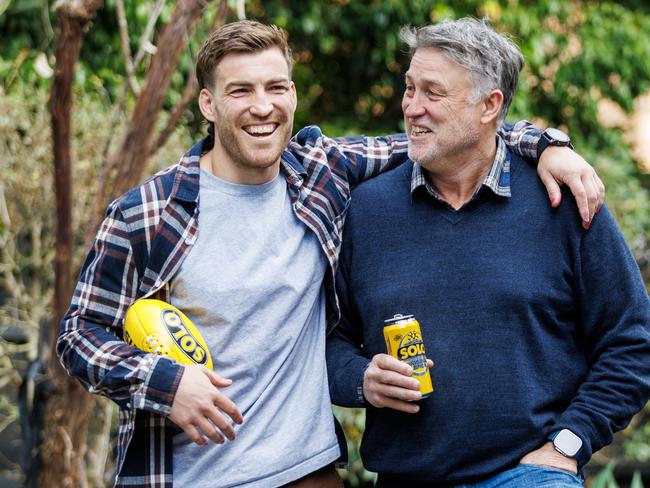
(261, 105)
(412, 105)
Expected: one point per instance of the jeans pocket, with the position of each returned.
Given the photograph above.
(550, 469)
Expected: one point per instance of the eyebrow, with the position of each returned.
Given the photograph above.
(246, 84)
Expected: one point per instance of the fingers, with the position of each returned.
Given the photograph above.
(387, 383)
(227, 406)
(209, 429)
(193, 433)
(402, 406)
(601, 191)
(592, 192)
(215, 379)
(552, 188)
(577, 187)
(386, 362)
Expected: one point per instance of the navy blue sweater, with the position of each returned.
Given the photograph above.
(533, 324)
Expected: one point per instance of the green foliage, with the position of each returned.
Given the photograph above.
(605, 479)
(349, 73)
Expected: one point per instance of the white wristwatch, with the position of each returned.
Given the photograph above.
(567, 443)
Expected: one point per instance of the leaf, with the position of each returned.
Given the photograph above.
(636, 480)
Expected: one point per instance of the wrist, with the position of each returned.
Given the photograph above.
(552, 137)
(361, 397)
(567, 443)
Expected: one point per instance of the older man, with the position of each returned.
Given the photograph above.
(243, 235)
(539, 330)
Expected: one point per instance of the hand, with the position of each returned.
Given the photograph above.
(548, 456)
(387, 382)
(561, 165)
(199, 406)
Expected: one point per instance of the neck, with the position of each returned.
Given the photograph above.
(458, 177)
(221, 165)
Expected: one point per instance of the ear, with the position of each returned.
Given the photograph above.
(206, 106)
(492, 107)
(294, 93)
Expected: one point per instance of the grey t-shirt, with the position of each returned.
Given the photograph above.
(253, 285)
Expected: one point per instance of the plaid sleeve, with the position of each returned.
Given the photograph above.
(351, 159)
(521, 138)
(89, 344)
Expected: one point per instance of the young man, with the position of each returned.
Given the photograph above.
(539, 329)
(243, 235)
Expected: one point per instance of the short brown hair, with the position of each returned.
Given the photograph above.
(245, 36)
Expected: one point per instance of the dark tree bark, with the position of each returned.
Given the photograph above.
(68, 406)
(127, 163)
(66, 413)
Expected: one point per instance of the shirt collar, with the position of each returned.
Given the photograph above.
(186, 184)
(497, 180)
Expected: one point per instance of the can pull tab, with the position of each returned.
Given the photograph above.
(398, 317)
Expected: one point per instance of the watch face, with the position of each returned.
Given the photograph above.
(557, 135)
(567, 443)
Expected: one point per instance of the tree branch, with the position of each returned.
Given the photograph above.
(126, 48)
(188, 93)
(131, 156)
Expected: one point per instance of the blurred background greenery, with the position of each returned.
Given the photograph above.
(587, 71)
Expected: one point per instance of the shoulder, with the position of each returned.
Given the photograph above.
(154, 189)
(385, 194)
(386, 186)
(152, 194)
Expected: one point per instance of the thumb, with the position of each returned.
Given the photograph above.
(215, 379)
(552, 188)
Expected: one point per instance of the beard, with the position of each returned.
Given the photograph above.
(443, 146)
(245, 153)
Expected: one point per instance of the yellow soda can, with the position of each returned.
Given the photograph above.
(404, 342)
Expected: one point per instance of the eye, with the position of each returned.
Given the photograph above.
(409, 88)
(279, 88)
(238, 92)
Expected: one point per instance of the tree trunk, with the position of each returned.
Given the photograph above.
(129, 160)
(62, 452)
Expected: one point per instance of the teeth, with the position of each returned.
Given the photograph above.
(419, 130)
(260, 129)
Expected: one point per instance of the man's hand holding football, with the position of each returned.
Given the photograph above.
(199, 406)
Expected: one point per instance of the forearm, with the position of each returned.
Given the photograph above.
(90, 344)
(345, 367)
(108, 366)
(522, 138)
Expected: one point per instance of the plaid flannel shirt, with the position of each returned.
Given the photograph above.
(141, 244)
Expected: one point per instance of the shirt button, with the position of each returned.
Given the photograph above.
(156, 406)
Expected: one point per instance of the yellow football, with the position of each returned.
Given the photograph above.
(158, 327)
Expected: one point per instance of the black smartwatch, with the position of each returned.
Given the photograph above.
(552, 137)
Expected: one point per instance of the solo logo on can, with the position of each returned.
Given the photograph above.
(404, 342)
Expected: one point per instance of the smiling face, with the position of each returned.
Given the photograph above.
(440, 118)
(251, 104)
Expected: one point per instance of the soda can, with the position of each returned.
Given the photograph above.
(404, 342)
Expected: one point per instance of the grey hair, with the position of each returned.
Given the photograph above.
(493, 60)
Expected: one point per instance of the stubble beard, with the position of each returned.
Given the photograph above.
(444, 148)
(253, 158)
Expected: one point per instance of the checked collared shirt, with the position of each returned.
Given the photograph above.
(141, 245)
(497, 179)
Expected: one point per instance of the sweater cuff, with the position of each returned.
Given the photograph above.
(583, 432)
(360, 398)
